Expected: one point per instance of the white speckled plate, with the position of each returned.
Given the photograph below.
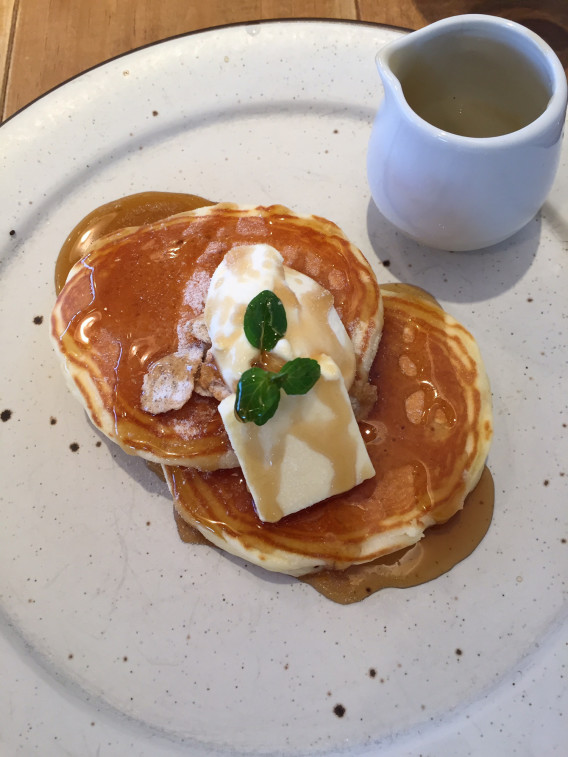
(116, 638)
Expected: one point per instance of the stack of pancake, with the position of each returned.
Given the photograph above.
(420, 393)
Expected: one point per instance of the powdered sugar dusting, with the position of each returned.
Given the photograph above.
(196, 290)
(290, 253)
(251, 226)
(213, 248)
(186, 429)
(313, 264)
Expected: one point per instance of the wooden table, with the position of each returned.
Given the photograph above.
(45, 42)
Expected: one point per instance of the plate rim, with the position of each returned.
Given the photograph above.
(324, 22)
(295, 20)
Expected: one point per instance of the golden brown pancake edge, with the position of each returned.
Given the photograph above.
(193, 435)
(429, 453)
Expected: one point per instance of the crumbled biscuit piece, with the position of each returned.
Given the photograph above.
(363, 397)
(209, 381)
(169, 383)
(193, 332)
(199, 330)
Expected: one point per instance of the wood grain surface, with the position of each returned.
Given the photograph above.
(45, 42)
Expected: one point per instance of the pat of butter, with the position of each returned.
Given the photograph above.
(308, 451)
(314, 326)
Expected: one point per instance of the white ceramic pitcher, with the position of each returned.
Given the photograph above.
(466, 142)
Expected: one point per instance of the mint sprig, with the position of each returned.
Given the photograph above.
(258, 390)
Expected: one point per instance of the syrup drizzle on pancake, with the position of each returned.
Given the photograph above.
(132, 210)
(114, 316)
(427, 460)
(443, 546)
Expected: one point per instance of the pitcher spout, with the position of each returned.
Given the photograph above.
(388, 61)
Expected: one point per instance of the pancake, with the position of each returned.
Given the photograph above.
(428, 437)
(129, 302)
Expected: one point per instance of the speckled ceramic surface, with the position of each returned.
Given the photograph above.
(116, 638)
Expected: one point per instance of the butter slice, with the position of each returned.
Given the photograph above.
(309, 450)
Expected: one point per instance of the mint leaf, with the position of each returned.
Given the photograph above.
(265, 320)
(257, 397)
(258, 391)
(299, 375)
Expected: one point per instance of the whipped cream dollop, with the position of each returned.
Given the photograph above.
(314, 326)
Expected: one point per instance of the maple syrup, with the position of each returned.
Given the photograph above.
(442, 547)
(132, 210)
(474, 87)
